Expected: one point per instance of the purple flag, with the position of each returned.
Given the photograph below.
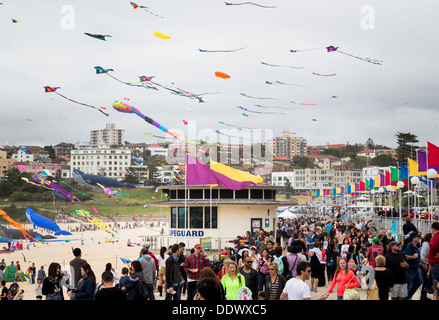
(422, 162)
(341, 189)
(382, 180)
(199, 173)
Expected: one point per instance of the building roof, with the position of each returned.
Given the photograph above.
(335, 146)
(323, 156)
(367, 151)
(281, 158)
(222, 202)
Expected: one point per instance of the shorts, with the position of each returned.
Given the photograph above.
(399, 290)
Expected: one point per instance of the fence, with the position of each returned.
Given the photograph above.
(423, 225)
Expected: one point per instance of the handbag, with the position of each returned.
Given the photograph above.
(54, 296)
(351, 293)
(372, 294)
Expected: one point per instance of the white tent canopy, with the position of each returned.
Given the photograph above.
(287, 215)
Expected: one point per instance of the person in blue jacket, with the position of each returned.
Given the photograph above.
(87, 285)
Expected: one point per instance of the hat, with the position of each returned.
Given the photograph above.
(376, 240)
(394, 243)
(146, 245)
(197, 245)
(415, 235)
(144, 251)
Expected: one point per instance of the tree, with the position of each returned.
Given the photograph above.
(406, 146)
(369, 144)
(302, 163)
(331, 151)
(130, 176)
(289, 190)
(383, 160)
(51, 151)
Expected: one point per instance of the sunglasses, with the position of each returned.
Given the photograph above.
(271, 269)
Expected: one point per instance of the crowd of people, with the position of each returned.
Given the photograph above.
(299, 257)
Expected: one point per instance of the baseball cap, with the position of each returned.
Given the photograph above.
(197, 245)
(146, 245)
(144, 251)
(394, 243)
(376, 240)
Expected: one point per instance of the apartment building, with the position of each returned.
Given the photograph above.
(110, 135)
(101, 159)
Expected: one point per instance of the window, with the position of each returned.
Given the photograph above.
(196, 194)
(196, 217)
(182, 217)
(207, 217)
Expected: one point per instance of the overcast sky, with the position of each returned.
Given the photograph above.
(48, 47)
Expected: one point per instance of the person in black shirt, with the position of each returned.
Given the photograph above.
(396, 262)
(251, 276)
(108, 292)
(408, 226)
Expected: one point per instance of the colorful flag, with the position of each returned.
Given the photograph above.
(394, 176)
(413, 168)
(362, 186)
(198, 173)
(422, 163)
(342, 190)
(382, 180)
(387, 178)
(403, 174)
(433, 156)
(235, 174)
(371, 183)
(377, 182)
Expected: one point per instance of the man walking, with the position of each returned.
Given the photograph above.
(193, 265)
(149, 271)
(172, 275)
(412, 274)
(251, 276)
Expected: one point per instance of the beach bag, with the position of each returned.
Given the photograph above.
(372, 294)
(244, 293)
(142, 292)
(279, 262)
(351, 293)
(352, 265)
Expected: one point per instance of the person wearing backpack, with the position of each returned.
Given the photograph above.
(290, 262)
(277, 257)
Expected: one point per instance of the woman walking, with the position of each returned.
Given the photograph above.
(232, 281)
(274, 282)
(343, 279)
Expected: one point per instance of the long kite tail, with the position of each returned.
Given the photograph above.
(252, 3)
(83, 104)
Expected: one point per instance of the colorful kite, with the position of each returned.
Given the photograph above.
(324, 75)
(239, 107)
(123, 107)
(152, 135)
(100, 70)
(53, 89)
(243, 94)
(222, 75)
(185, 122)
(15, 21)
(251, 3)
(304, 104)
(97, 36)
(259, 106)
(45, 223)
(287, 84)
(161, 35)
(135, 6)
(96, 222)
(83, 193)
(282, 66)
(138, 159)
(56, 188)
(17, 226)
(234, 50)
(335, 49)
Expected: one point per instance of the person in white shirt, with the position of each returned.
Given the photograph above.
(296, 288)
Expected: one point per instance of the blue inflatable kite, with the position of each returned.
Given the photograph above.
(45, 223)
(92, 180)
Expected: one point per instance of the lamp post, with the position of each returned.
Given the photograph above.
(390, 189)
(431, 175)
(381, 190)
(400, 185)
(372, 192)
(415, 181)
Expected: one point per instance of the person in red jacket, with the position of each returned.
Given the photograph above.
(343, 278)
(433, 257)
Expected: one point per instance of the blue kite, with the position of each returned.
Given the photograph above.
(45, 223)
